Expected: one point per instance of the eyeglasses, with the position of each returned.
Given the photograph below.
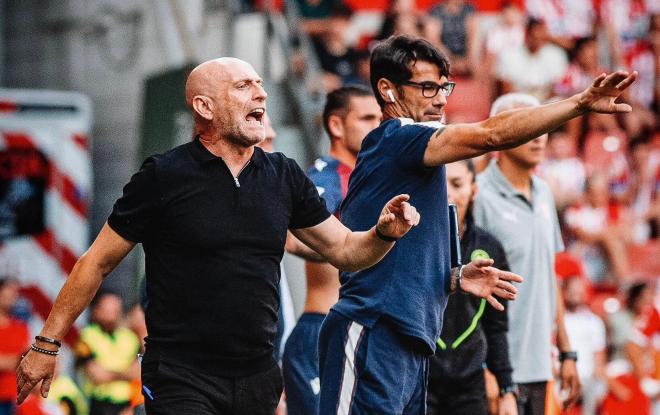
(431, 89)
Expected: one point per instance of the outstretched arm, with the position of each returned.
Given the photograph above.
(352, 251)
(101, 258)
(515, 127)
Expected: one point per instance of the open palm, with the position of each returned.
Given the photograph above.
(603, 92)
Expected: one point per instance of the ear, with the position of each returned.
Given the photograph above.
(336, 126)
(385, 85)
(203, 106)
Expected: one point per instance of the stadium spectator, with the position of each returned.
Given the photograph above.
(625, 395)
(586, 331)
(642, 189)
(473, 332)
(562, 169)
(214, 210)
(350, 113)
(644, 351)
(508, 33)
(626, 22)
(584, 66)
(598, 235)
(107, 353)
(518, 207)
(456, 34)
(15, 340)
(336, 57)
(567, 20)
(534, 67)
(644, 57)
(401, 18)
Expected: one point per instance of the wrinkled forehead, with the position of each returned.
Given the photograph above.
(237, 70)
(426, 71)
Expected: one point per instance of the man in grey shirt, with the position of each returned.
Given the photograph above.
(518, 207)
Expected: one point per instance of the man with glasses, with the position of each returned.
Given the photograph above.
(375, 342)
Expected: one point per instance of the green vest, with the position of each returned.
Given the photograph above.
(115, 352)
(64, 388)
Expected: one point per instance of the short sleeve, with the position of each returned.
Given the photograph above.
(308, 208)
(328, 186)
(135, 211)
(409, 142)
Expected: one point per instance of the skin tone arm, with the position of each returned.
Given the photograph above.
(85, 279)
(352, 251)
(511, 128)
(299, 249)
(568, 370)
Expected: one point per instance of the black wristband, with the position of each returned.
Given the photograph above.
(48, 340)
(385, 237)
(570, 355)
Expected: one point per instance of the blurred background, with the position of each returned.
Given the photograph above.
(89, 88)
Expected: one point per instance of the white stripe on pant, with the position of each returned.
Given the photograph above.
(355, 331)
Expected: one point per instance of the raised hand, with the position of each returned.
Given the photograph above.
(398, 217)
(485, 281)
(605, 89)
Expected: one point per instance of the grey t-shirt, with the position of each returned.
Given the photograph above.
(531, 237)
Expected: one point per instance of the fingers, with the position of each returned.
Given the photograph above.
(493, 302)
(510, 276)
(613, 79)
(398, 200)
(410, 214)
(504, 294)
(598, 80)
(622, 108)
(627, 81)
(24, 390)
(482, 262)
(45, 387)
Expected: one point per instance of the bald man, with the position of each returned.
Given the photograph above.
(212, 216)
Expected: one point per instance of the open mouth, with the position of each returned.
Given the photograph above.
(256, 116)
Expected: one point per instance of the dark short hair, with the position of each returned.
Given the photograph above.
(532, 23)
(634, 293)
(394, 58)
(338, 102)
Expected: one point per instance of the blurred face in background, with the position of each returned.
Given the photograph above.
(575, 293)
(587, 55)
(8, 295)
(561, 146)
(107, 312)
(597, 191)
(363, 116)
(537, 37)
(528, 155)
(461, 187)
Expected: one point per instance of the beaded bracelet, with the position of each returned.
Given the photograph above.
(48, 340)
(44, 351)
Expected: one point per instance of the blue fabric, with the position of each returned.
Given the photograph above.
(410, 285)
(7, 408)
(391, 371)
(326, 178)
(300, 366)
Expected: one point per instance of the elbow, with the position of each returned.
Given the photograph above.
(87, 265)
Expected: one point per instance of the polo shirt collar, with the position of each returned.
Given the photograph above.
(203, 155)
(502, 184)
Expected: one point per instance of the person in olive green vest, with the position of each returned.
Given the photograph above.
(65, 393)
(107, 353)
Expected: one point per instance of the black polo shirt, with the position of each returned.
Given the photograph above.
(213, 246)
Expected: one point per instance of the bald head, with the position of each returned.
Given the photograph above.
(207, 75)
(228, 101)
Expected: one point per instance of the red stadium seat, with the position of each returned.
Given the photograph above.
(470, 101)
(601, 151)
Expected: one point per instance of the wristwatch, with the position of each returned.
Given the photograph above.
(513, 388)
(571, 355)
